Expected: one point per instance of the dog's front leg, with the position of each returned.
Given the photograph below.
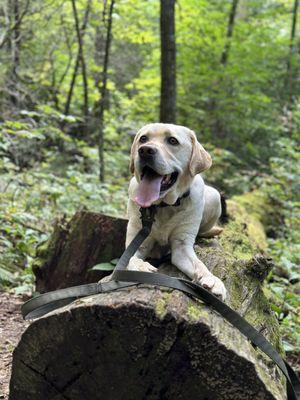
(185, 259)
(137, 263)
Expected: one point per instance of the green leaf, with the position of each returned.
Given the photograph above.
(103, 267)
(23, 289)
(6, 276)
(288, 346)
(275, 308)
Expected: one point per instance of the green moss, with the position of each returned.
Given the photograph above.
(244, 235)
(242, 239)
(162, 304)
(259, 315)
(47, 249)
(44, 253)
(260, 206)
(255, 203)
(196, 311)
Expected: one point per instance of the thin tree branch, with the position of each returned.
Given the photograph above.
(291, 46)
(70, 58)
(103, 100)
(80, 59)
(15, 26)
(230, 27)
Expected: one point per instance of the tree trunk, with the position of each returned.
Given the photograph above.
(151, 343)
(75, 247)
(79, 60)
(230, 27)
(294, 24)
(15, 45)
(16, 37)
(103, 102)
(168, 62)
(219, 128)
(289, 74)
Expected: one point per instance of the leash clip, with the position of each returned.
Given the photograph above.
(147, 216)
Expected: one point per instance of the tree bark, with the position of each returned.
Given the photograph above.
(294, 24)
(15, 46)
(70, 53)
(79, 60)
(75, 247)
(166, 344)
(16, 37)
(230, 28)
(15, 23)
(103, 102)
(219, 128)
(287, 82)
(168, 62)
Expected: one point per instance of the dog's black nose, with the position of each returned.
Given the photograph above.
(147, 151)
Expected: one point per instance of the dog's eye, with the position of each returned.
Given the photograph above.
(173, 141)
(143, 139)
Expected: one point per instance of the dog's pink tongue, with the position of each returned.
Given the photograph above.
(148, 190)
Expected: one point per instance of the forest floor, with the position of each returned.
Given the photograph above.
(12, 326)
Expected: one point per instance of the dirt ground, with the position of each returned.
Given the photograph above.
(11, 328)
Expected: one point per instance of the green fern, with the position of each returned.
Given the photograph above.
(6, 276)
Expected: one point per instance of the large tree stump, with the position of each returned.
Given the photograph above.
(75, 247)
(148, 343)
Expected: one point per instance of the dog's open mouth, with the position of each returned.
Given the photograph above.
(152, 185)
(166, 182)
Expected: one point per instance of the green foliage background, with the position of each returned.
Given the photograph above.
(247, 112)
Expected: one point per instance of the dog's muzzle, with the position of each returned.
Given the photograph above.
(147, 152)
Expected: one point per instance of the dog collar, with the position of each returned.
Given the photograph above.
(177, 202)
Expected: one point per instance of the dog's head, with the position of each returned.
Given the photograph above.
(164, 160)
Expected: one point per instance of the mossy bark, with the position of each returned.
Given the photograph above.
(148, 343)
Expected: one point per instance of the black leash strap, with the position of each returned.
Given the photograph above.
(147, 217)
(121, 278)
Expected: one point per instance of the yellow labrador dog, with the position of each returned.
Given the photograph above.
(166, 161)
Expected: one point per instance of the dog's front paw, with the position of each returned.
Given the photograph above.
(107, 278)
(137, 264)
(214, 284)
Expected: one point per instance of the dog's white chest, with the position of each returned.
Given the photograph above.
(168, 221)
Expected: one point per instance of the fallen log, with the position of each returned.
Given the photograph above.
(151, 343)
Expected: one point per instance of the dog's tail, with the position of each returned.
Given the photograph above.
(224, 215)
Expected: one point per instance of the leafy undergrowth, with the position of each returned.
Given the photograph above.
(45, 174)
(33, 199)
(284, 282)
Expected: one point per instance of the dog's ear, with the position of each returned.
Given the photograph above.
(200, 159)
(132, 153)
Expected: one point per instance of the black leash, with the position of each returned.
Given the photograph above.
(147, 217)
(121, 278)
